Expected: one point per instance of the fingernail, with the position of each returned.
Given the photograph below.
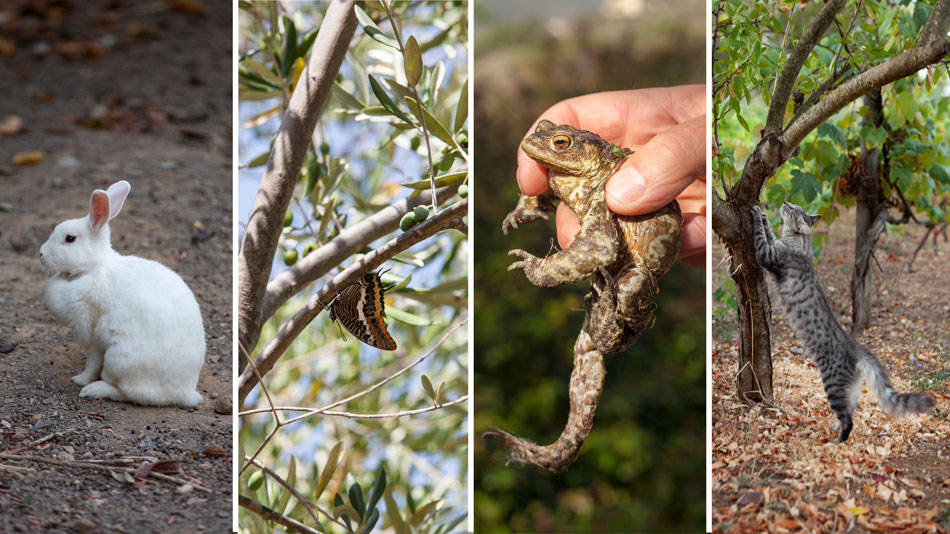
(627, 186)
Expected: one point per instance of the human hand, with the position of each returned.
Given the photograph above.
(666, 127)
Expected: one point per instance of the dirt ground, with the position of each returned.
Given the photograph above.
(101, 91)
(776, 468)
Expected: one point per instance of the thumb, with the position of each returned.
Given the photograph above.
(660, 170)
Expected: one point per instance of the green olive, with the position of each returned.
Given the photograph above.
(324, 148)
(255, 480)
(290, 257)
(463, 190)
(408, 221)
(421, 213)
(288, 218)
(308, 248)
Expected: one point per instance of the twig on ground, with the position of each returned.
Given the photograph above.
(99, 467)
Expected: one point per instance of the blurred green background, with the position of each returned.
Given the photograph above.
(643, 467)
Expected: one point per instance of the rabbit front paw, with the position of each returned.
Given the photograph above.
(102, 390)
(85, 378)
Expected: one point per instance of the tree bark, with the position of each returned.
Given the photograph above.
(754, 377)
(732, 216)
(870, 215)
(283, 167)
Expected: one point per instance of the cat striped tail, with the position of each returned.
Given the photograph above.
(888, 398)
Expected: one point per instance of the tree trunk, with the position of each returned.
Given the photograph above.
(869, 206)
(733, 223)
(754, 381)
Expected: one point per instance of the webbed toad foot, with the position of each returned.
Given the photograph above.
(529, 209)
(526, 259)
(520, 216)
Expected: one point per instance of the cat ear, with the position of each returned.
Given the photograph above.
(813, 219)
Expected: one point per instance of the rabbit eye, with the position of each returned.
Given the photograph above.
(70, 238)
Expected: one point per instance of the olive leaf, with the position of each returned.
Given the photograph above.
(427, 386)
(392, 512)
(440, 181)
(372, 29)
(328, 469)
(461, 112)
(386, 101)
(412, 60)
(291, 480)
(432, 123)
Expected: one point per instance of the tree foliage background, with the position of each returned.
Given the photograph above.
(363, 467)
(643, 467)
(754, 45)
(795, 119)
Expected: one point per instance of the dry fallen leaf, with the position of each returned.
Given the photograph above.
(188, 6)
(28, 157)
(215, 451)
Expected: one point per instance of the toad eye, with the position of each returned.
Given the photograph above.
(561, 142)
(70, 238)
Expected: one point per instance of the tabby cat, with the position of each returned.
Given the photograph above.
(839, 359)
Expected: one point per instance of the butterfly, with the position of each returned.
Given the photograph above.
(360, 309)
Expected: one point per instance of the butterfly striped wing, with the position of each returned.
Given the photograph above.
(361, 308)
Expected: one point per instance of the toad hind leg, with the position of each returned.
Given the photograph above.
(620, 309)
(587, 382)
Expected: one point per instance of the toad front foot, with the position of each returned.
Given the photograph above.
(529, 209)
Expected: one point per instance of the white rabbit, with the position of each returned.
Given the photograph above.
(137, 318)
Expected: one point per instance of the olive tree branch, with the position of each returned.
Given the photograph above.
(353, 415)
(450, 217)
(283, 166)
(272, 515)
(345, 244)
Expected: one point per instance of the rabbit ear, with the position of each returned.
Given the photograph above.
(99, 209)
(117, 193)
(105, 205)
